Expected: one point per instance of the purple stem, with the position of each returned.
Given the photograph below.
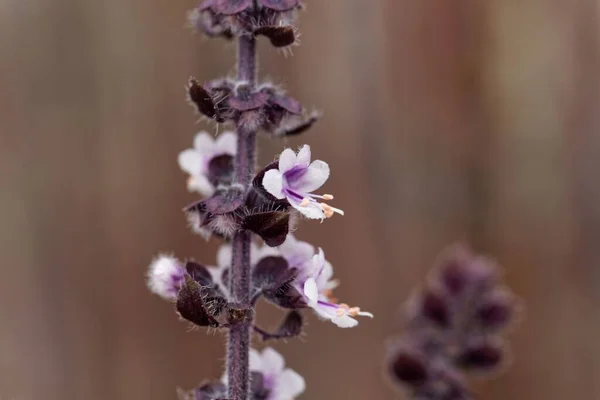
(239, 334)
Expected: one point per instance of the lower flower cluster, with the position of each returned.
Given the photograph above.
(292, 276)
(454, 328)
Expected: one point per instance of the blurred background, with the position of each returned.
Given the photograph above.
(445, 121)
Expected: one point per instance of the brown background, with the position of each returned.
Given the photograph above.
(444, 121)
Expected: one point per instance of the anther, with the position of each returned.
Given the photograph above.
(305, 201)
(354, 311)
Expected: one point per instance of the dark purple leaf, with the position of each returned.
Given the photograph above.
(288, 103)
(201, 98)
(220, 170)
(298, 127)
(291, 325)
(271, 273)
(271, 226)
(195, 305)
(280, 36)
(199, 273)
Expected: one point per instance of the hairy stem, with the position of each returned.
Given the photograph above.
(239, 334)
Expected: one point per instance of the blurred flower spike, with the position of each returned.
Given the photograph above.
(454, 328)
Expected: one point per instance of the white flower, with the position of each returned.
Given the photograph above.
(165, 277)
(316, 285)
(197, 161)
(281, 383)
(296, 252)
(295, 180)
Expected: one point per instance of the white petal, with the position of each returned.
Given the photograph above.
(289, 385)
(272, 362)
(287, 160)
(165, 276)
(201, 184)
(255, 360)
(297, 253)
(311, 291)
(303, 157)
(190, 161)
(345, 321)
(224, 256)
(226, 143)
(273, 183)
(312, 210)
(259, 253)
(204, 143)
(326, 275)
(314, 178)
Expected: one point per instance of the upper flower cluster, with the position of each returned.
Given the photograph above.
(454, 326)
(280, 192)
(229, 18)
(265, 107)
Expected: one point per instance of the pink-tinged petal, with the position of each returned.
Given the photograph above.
(165, 276)
(190, 161)
(345, 321)
(297, 253)
(200, 184)
(312, 210)
(224, 255)
(255, 360)
(289, 385)
(272, 362)
(273, 183)
(316, 175)
(226, 143)
(324, 281)
(311, 291)
(287, 160)
(204, 143)
(303, 157)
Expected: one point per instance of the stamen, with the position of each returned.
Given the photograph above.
(328, 210)
(340, 312)
(354, 311)
(327, 197)
(305, 201)
(337, 210)
(344, 306)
